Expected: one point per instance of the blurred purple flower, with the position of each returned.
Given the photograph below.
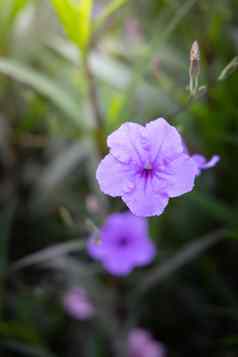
(141, 344)
(124, 244)
(203, 164)
(77, 304)
(146, 166)
(200, 161)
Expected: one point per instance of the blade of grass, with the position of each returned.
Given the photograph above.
(43, 85)
(59, 168)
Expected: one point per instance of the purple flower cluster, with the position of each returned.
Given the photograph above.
(141, 344)
(124, 244)
(148, 165)
(77, 304)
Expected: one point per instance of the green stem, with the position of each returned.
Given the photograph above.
(95, 106)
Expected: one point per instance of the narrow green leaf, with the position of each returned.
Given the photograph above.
(42, 84)
(229, 69)
(76, 19)
(9, 10)
(184, 256)
(17, 7)
(68, 17)
(84, 10)
(48, 254)
(109, 10)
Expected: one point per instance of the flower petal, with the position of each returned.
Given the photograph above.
(124, 143)
(133, 225)
(144, 201)
(114, 177)
(118, 264)
(212, 162)
(181, 174)
(96, 248)
(200, 160)
(145, 252)
(203, 163)
(164, 138)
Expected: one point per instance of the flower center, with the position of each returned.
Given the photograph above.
(148, 170)
(148, 166)
(123, 242)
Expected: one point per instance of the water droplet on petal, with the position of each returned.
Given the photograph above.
(121, 154)
(128, 187)
(159, 185)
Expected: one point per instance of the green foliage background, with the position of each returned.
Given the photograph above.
(53, 54)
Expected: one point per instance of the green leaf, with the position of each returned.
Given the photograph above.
(76, 20)
(109, 10)
(9, 10)
(85, 10)
(42, 84)
(17, 7)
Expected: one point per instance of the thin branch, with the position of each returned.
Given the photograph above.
(93, 95)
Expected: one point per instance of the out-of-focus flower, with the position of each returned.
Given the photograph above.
(124, 244)
(77, 304)
(133, 30)
(92, 204)
(200, 161)
(141, 344)
(146, 166)
(204, 164)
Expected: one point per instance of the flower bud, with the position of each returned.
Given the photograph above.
(194, 69)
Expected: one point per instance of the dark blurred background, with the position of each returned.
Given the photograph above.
(50, 144)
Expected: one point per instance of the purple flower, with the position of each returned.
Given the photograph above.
(200, 161)
(146, 166)
(77, 304)
(124, 244)
(203, 164)
(141, 344)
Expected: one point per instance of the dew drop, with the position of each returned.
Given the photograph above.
(128, 187)
(121, 155)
